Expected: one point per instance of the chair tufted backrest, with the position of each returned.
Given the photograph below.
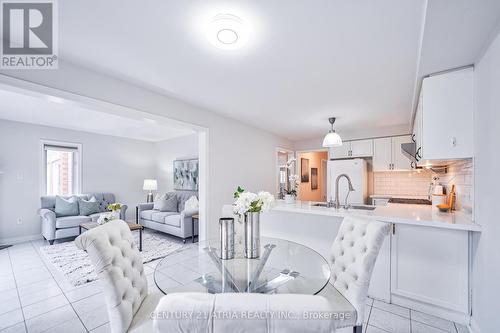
(119, 267)
(353, 255)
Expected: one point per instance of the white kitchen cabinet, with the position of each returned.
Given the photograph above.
(357, 148)
(417, 130)
(429, 266)
(340, 152)
(380, 283)
(387, 154)
(382, 154)
(361, 148)
(447, 116)
(399, 160)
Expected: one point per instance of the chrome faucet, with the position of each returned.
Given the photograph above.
(336, 204)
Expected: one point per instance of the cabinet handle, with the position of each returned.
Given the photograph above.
(394, 228)
(417, 154)
(413, 138)
(412, 165)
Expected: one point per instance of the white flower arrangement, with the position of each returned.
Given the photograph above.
(294, 185)
(248, 202)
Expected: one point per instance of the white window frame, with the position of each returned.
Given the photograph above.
(78, 179)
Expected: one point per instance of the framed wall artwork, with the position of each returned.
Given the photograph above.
(304, 170)
(186, 174)
(314, 178)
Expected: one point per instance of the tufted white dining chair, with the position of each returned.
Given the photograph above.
(118, 264)
(243, 312)
(353, 255)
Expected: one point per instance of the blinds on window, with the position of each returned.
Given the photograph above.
(60, 148)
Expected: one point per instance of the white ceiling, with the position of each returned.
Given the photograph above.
(360, 61)
(56, 112)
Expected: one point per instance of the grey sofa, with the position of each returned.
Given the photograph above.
(178, 223)
(54, 227)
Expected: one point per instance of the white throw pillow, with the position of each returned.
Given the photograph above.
(192, 204)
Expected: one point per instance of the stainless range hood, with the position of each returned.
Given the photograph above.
(438, 166)
(410, 151)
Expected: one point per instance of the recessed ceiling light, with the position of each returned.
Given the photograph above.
(227, 31)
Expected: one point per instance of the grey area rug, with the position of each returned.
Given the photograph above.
(76, 266)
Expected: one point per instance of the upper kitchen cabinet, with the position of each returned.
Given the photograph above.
(357, 148)
(361, 148)
(444, 119)
(399, 160)
(340, 152)
(387, 155)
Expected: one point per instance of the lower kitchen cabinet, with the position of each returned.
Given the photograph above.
(380, 283)
(430, 270)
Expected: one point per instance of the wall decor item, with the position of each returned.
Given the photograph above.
(314, 178)
(186, 174)
(304, 170)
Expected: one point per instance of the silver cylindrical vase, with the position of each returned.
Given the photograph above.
(252, 235)
(226, 227)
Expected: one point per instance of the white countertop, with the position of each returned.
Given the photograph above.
(424, 215)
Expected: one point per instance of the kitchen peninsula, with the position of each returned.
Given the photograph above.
(424, 263)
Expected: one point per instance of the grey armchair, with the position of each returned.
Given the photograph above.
(54, 227)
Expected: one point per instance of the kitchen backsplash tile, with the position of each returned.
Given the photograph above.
(460, 174)
(402, 183)
(416, 183)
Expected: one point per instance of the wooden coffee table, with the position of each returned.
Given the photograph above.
(132, 226)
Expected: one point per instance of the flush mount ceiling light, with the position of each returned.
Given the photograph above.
(332, 139)
(227, 31)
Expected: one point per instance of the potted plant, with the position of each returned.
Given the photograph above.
(113, 214)
(250, 205)
(115, 210)
(291, 192)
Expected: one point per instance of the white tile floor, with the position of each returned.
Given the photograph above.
(35, 297)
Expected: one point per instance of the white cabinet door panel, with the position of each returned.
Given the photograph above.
(399, 160)
(380, 283)
(382, 154)
(430, 265)
(448, 115)
(360, 148)
(340, 152)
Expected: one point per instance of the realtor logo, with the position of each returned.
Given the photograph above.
(29, 34)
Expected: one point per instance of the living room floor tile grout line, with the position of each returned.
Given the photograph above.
(58, 285)
(57, 282)
(17, 291)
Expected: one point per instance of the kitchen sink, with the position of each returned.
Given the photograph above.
(320, 204)
(362, 207)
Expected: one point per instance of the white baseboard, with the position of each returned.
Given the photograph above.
(17, 240)
(451, 315)
(473, 327)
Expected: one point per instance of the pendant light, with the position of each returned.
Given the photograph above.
(332, 139)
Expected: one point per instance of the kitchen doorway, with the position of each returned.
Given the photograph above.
(312, 171)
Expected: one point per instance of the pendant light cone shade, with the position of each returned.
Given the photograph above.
(332, 139)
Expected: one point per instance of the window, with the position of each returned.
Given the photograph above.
(61, 164)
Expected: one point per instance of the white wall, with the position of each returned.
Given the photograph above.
(167, 152)
(238, 154)
(110, 164)
(486, 276)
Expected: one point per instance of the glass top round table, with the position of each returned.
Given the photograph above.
(283, 267)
